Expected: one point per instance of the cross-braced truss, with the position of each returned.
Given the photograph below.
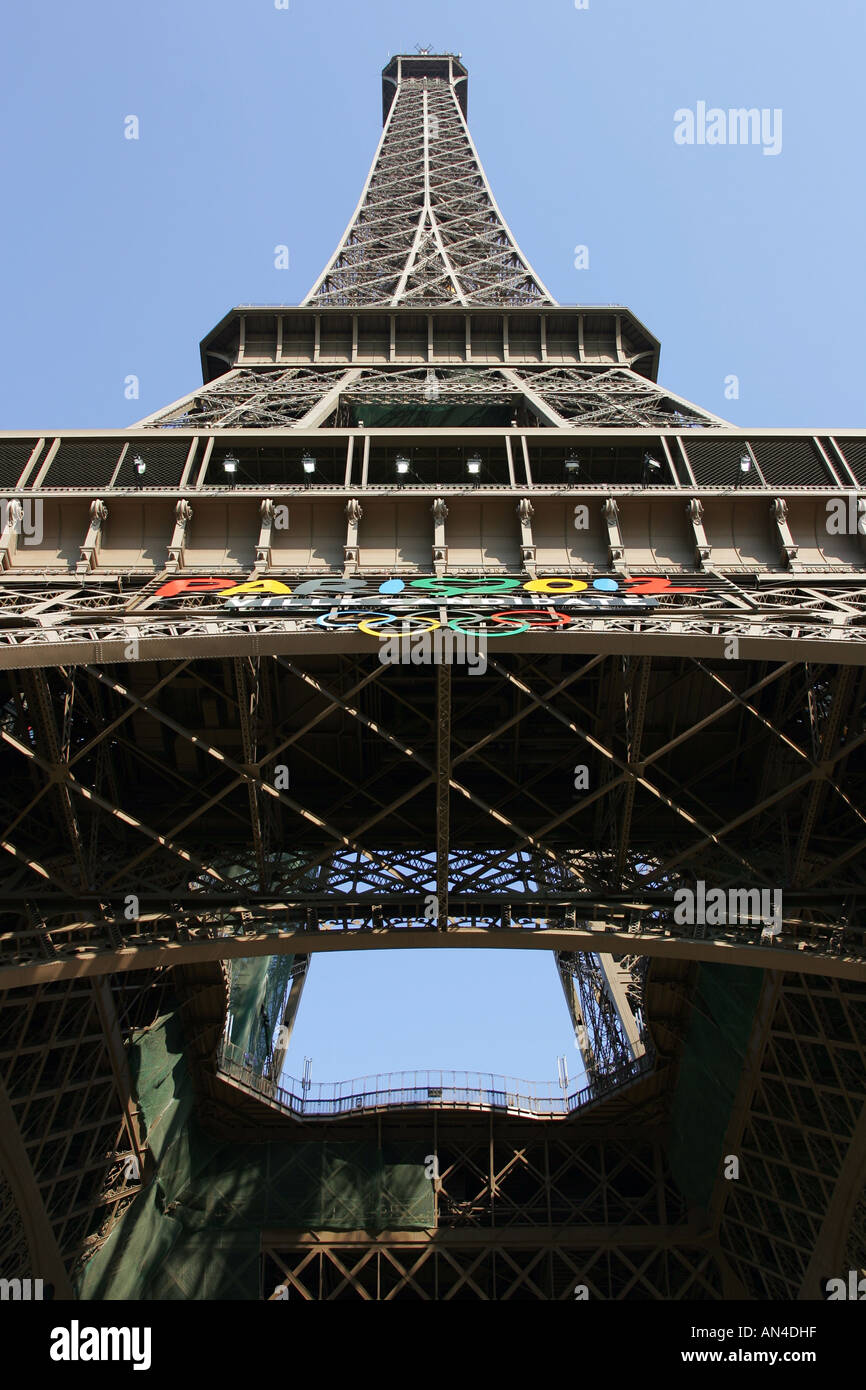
(250, 398)
(73, 622)
(791, 1219)
(518, 1216)
(606, 396)
(604, 995)
(174, 846)
(73, 1148)
(264, 397)
(427, 229)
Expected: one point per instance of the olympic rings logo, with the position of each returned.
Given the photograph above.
(506, 623)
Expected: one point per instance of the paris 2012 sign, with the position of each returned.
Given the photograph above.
(498, 605)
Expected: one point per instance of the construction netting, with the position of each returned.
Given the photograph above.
(194, 1231)
(257, 1001)
(710, 1070)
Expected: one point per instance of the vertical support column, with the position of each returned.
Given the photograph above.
(527, 545)
(615, 547)
(787, 548)
(703, 549)
(354, 513)
(11, 519)
(90, 548)
(443, 789)
(263, 548)
(440, 549)
(182, 518)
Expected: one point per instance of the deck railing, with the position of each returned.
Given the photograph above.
(426, 1090)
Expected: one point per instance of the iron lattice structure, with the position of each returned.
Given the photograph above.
(427, 229)
(209, 775)
(264, 398)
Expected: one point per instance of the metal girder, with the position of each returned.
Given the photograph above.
(825, 742)
(604, 998)
(247, 703)
(54, 919)
(305, 398)
(55, 760)
(809, 952)
(635, 712)
(443, 791)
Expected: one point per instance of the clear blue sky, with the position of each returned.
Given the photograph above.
(257, 127)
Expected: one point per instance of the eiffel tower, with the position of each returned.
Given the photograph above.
(432, 620)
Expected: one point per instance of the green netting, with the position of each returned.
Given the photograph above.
(710, 1071)
(194, 1232)
(259, 988)
(260, 985)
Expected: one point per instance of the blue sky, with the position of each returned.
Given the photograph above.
(257, 127)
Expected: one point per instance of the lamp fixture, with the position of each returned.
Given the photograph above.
(651, 468)
(572, 468)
